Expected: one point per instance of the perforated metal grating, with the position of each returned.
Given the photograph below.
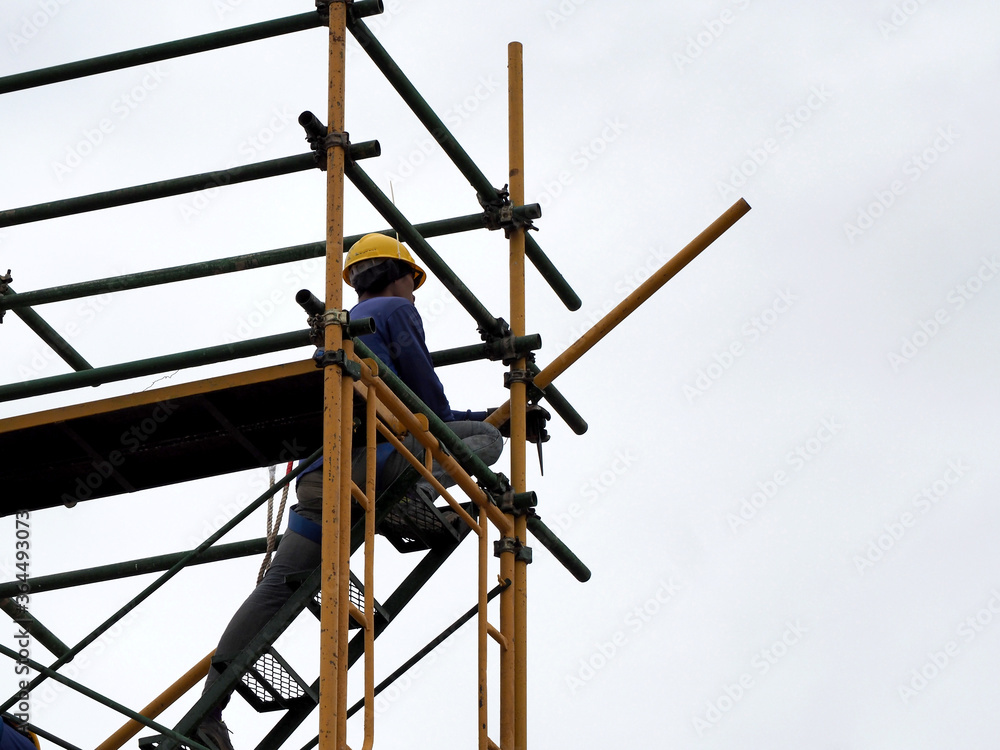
(269, 677)
(354, 591)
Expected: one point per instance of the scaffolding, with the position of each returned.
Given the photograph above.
(339, 401)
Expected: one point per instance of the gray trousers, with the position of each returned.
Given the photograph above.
(296, 554)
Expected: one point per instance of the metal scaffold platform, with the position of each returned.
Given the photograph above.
(297, 411)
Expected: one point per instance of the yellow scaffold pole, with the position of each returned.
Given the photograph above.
(336, 483)
(518, 398)
(628, 305)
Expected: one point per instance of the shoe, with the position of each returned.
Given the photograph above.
(214, 733)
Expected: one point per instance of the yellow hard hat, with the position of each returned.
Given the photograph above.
(378, 246)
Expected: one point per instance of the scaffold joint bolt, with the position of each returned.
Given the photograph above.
(340, 138)
(4, 281)
(522, 552)
(339, 359)
(518, 376)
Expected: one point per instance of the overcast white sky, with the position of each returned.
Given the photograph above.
(835, 352)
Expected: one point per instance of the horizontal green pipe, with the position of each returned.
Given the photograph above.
(177, 186)
(475, 352)
(47, 333)
(154, 365)
(94, 695)
(381, 203)
(139, 567)
(226, 265)
(559, 550)
(160, 52)
(486, 193)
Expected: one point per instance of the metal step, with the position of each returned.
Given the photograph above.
(272, 685)
(356, 591)
(416, 524)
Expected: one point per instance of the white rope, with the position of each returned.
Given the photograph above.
(272, 525)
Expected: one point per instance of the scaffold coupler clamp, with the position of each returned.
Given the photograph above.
(321, 141)
(503, 349)
(527, 377)
(340, 138)
(499, 214)
(4, 288)
(324, 358)
(522, 552)
(323, 7)
(513, 504)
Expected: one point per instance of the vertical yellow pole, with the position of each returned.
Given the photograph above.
(344, 541)
(333, 667)
(518, 389)
(484, 561)
(370, 441)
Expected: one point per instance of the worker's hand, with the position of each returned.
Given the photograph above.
(536, 417)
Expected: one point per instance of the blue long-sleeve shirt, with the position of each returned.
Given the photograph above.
(400, 343)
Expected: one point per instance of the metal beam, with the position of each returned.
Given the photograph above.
(233, 263)
(176, 186)
(167, 363)
(160, 52)
(142, 566)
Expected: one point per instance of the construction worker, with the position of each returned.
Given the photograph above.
(382, 272)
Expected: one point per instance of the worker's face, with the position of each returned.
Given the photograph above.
(403, 287)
